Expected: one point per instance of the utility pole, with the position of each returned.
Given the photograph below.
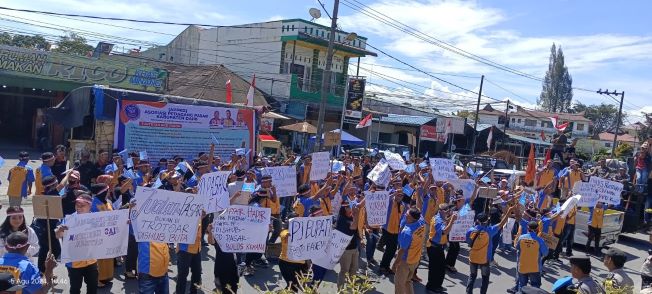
(504, 126)
(620, 112)
(326, 78)
(477, 116)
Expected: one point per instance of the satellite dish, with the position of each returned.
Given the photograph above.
(315, 13)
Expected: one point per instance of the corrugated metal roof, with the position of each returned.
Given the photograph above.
(528, 140)
(481, 127)
(411, 120)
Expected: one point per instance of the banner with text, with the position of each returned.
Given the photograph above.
(376, 204)
(598, 190)
(242, 229)
(461, 225)
(166, 129)
(320, 165)
(334, 251)
(466, 185)
(309, 236)
(166, 216)
(95, 235)
(284, 178)
(213, 187)
(395, 160)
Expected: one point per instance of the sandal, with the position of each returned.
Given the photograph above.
(130, 275)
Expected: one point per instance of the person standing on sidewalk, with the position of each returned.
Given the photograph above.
(347, 223)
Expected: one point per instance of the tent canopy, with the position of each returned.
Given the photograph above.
(346, 138)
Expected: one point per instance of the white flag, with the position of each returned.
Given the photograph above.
(491, 134)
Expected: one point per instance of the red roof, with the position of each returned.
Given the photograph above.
(622, 137)
(266, 138)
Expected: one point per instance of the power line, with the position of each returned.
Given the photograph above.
(133, 20)
(434, 73)
(508, 91)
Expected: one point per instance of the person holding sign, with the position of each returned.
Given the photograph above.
(272, 202)
(40, 227)
(23, 271)
(479, 239)
(410, 242)
(347, 223)
(596, 217)
(189, 258)
(440, 226)
(225, 270)
(100, 203)
(83, 270)
(568, 177)
(290, 269)
(531, 249)
(395, 210)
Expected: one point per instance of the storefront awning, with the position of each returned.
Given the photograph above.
(266, 138)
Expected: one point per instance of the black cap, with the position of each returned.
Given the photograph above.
(239, 174)
(23, 155)
(97, 188)
(303, 189)
(8, 283)
(532, 225)
(532, 290)
(615, 253)
(483, 217)
(581, 261)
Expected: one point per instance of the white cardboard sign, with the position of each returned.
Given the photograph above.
(443, 169)
(320, 166)
(334, 251)
(309, 237)
(395, 160)
(376, 204)
(96, 235)
(213, 187)
(380, 174)
(284, 178)
(461, 225)
(242, 228)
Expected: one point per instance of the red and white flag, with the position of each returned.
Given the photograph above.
(447, 131)
(555, 120)
(250, 94)
(229, 92)
(365, 122)
(490, 137)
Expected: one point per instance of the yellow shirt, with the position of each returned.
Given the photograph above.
(546, 177)
(597, 218)
(275, 206)
(559, 227)
(394, 218)
(284, 248)
(570, 218)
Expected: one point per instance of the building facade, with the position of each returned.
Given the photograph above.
(530, 123)
(288, 58)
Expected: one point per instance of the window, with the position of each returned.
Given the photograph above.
(519, 120)
(501, 120)
(530, 123)
(513, 120)
(607, 144)
(543, 124)
(546, 124)
(580, 127)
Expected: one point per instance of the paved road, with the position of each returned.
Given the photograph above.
(502, 277)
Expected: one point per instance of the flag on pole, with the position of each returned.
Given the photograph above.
(250, 94)
(543, 136)
(547, 156)
(365, 122)
(229, 92)
(490, 137)
(531, 170)
(447, 131)
(555, 120)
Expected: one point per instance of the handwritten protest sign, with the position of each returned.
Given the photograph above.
(376, 204)
(334, 250)
(309, 236)
(337, 203)
(213, 187)
(320, 166)
(551, 241)
(462, 224)
(284, 178)
(569, 205)
(95, 235)
(166, 216)
(466, 185)
(598, 189)
(380, 174)
(442, 169)
(242, 228)
(395, 160)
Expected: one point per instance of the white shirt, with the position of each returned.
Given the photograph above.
(32, 251)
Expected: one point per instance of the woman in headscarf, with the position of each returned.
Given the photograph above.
(101, 203)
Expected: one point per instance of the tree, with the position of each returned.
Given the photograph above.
(24, 41)
(646, 131)
(557, 92)
(73, 44)
(602, 116)
(465, 114)
(624, 150)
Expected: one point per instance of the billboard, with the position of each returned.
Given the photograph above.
(354, 97)
(167, 129)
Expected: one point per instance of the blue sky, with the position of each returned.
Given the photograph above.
(608, 44)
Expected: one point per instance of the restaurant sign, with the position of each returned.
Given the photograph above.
(115, 73)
